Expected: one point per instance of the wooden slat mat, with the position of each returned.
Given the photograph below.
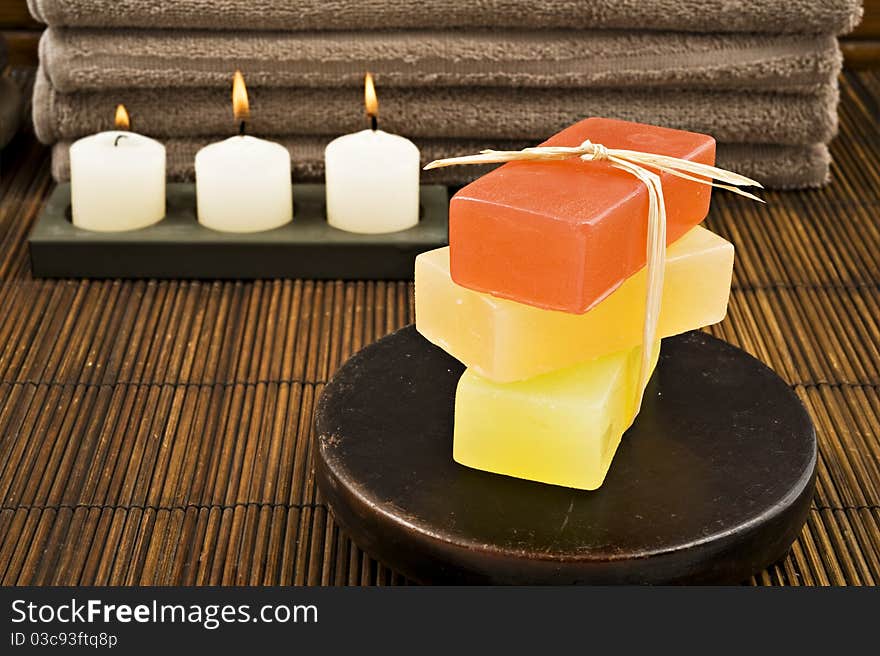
(160, 432)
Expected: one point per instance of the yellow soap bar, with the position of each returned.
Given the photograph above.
(560, 428)
(506, 341)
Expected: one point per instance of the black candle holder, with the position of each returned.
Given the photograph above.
(180, 247)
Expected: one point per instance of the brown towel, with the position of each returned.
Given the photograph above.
(10, 109)
(778, 167)
(772, 16)
(478, 112)
(78, 60)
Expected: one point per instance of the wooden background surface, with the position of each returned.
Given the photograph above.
(160, 432)
(861, 49)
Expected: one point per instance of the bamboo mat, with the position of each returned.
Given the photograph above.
(160, 432)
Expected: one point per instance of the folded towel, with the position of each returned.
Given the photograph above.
(777, 167)
(78, 60)
(488, 113)
(776, 16)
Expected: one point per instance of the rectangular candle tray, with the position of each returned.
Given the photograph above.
(179, 247)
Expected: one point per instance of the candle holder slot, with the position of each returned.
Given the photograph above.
(180, 247)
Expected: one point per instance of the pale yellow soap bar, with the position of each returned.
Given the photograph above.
(561, 428)
(507, 341)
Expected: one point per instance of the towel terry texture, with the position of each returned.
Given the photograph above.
(10, 101)
(779, 167)
(456, 77)
(77, 60)
(768, 16)
(10, 110)
(471, 112)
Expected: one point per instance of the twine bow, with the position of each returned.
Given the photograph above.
(634, 163)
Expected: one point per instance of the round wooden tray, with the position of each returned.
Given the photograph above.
(711, 484)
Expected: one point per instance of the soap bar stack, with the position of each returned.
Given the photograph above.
(541, 294)
(452, 75)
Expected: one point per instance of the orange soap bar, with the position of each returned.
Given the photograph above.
(562, 235)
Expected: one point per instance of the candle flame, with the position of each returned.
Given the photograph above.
(240, 106)
(370, 99)
(121, 121)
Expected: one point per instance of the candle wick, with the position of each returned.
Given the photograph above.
(374, 122)
(118, 137)
(241, 129)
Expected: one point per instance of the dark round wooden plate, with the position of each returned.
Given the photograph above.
(711, 484)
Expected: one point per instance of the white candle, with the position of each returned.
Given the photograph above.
(117, 180)
(372, 178)
(243, 184)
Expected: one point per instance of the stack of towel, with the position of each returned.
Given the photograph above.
(454, 76)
